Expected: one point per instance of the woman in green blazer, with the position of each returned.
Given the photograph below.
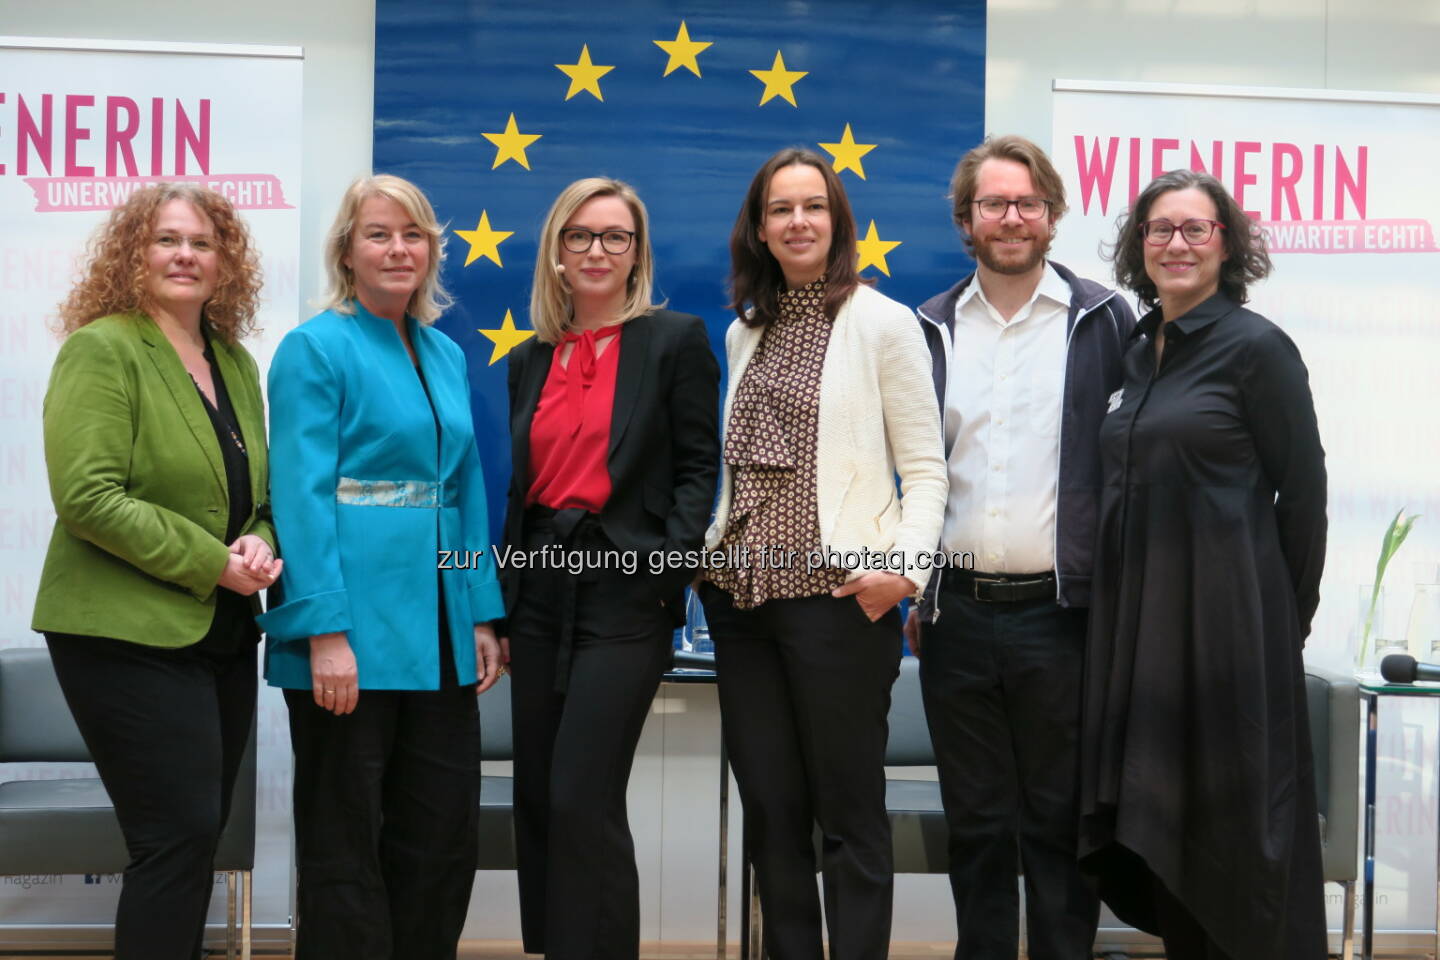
(155, 447)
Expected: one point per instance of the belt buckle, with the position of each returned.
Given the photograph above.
(975, 587)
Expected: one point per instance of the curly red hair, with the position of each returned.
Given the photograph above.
(114, 271)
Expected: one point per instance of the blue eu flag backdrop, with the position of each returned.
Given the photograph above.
(492, 108)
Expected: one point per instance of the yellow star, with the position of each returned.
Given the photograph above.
(847, 153)
(583, 75)
(511, 144)
(778, 81)
(682, 51)
(506, 338)
(872, 251)
(484, 241)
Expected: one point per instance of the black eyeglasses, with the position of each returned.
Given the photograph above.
(995, 208)
(1194, 231)
(580, 240)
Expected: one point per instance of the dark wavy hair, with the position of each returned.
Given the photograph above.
(113, 272)
(756, 280)
(1246, 261)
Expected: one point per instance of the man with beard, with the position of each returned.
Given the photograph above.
(1025, 356)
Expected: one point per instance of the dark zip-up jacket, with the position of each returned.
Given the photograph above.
(1096, 333)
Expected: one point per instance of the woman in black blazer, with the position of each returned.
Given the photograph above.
(613, 424)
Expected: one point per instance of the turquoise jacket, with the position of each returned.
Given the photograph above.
(365, 500)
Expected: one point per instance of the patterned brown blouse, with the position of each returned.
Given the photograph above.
(770, 447)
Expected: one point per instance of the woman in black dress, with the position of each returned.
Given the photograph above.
(1198, 800)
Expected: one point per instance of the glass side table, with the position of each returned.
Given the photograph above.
(1372, 688)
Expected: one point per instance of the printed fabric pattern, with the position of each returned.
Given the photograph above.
(771, 443)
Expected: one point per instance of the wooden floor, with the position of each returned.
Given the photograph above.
(510, 950)
(502, 950)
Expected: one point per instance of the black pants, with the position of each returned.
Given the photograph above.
(804, 695)
(167, 730)
(1001, 684)
(387, 807)
(578, 707)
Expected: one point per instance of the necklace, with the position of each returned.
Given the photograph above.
(219, 418)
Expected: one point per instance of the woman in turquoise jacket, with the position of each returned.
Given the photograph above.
(379, 645)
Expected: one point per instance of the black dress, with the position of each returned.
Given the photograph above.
(1197, 770)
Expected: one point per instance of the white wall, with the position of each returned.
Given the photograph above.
(1387, 45)
(339, 41)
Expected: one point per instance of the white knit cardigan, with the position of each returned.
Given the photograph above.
(878, 418)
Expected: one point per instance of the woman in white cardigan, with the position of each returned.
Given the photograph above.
(829, 399)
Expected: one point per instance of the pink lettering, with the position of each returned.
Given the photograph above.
(1158, 149)
(1243, 148)
(1217, 158)
(1134, 170)
(1282, 182)
(1347, 182)
(157, 135)
(1095, 174)
(40, 139)
(118, 136)
(74, 133)
(1318, 173)
(185, 136)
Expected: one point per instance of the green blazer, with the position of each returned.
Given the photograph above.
(141, 504)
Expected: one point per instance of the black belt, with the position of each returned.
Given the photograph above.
(1000, 587)
(563, 522)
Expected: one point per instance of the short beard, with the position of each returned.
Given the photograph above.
(1012, 268)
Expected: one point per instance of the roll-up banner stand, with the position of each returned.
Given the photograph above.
(83, 123)
(1343, 186)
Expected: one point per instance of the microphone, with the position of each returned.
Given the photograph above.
(559, 268)
(1399, 668)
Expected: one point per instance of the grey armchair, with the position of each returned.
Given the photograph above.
(68, 826)
(917, 820)
(497, 794)
(1334, 705)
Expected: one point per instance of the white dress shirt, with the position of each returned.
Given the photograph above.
(1002, 428)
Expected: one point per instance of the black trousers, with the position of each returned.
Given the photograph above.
(387, 807)
(578, 706)
(804, 696)
(167, 730)
(1001, 684)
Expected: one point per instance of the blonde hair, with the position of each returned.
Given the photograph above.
(430, 299)
(550, 307)
(114, 270)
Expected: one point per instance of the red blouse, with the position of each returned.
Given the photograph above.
(570, 430)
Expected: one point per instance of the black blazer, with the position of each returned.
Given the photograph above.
(664, 444)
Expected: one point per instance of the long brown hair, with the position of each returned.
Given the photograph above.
(114, 270)
(756, 280)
